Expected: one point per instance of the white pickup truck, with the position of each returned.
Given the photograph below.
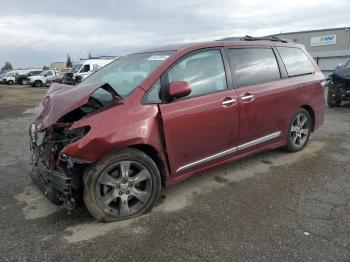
(44, 78)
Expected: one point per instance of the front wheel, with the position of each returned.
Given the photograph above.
(299, 131)
(121, 186)
(38, 83)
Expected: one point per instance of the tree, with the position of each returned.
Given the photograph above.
(69, 62)
(90, 56)
(7, 67)
(45, 68)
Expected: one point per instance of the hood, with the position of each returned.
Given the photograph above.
(61, 99)
(343, 72)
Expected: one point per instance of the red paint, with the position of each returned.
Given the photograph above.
(179, 89)
(191, 129)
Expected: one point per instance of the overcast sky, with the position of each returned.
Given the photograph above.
(39, 32)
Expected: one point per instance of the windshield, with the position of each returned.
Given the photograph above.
(126, 73)
(347, 64)
(76, 68)
(43, 73)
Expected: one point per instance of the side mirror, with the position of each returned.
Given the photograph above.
(178, 89)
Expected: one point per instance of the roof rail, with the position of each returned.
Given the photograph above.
(264, 38)
(251, 38)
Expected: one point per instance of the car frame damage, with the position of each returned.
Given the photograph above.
(339, 86)
(56, 174)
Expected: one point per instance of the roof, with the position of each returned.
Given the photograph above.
(208, 44)
(311, 31)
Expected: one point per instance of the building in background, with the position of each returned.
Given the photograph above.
(59, 66)
(329, 47)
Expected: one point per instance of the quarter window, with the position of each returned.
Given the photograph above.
(254, 65)
(204, 71)
(295, 60)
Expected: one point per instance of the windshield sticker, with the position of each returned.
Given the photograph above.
(158, 57)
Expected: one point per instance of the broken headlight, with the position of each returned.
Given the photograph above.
(32, 132)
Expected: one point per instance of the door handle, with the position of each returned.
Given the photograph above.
(228, 101)
(247, 98)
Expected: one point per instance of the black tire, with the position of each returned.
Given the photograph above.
(23, 82)
(38, 83)
(10, 82)
(96, 190)
(332, 101)
(293, 133)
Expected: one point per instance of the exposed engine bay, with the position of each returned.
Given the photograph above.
(56, 174)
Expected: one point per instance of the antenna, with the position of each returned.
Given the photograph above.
(81, 49)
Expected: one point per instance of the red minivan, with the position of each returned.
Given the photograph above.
(156, 117)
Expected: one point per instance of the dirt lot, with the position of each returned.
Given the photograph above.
(273, 206)
(15, 100)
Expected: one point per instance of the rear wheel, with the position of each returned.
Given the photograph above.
(10, 82)
(23, 82)
(299, 131)
(121, 186)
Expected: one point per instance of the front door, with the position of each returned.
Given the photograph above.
(203, 126)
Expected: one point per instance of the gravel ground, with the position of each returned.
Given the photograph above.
(273, 206)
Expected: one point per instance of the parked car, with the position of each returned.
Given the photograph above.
(21, 78)
(9, 78)
(154, 118)
(87, 67)
(339, 85)
(44, 78)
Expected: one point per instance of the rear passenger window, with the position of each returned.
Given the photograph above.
(295, 60)
(204, 71)
(254, 65)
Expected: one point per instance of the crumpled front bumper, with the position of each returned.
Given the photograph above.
(57, 186)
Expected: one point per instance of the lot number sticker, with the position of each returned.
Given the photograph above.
(158, 57)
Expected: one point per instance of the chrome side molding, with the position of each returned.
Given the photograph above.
(230, 151)
(259, 140)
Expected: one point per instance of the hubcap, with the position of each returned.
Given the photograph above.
(124, 188)
(300, 130)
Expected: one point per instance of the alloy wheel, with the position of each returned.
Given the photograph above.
(300, 130)
(124, 188)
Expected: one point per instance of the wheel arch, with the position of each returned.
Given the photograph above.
(311, 112)
(156, 157)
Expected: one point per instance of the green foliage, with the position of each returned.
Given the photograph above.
(7, 67)
(69, 63)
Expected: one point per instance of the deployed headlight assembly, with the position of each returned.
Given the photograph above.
(32, 132)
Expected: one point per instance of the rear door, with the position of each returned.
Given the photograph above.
(203, 126)
(266, 95)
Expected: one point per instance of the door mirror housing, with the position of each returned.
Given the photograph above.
(178, 89)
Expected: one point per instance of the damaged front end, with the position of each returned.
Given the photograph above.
(338, 86)
(57, 175)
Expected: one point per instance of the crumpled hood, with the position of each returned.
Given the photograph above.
(61, 99)
(343, 72)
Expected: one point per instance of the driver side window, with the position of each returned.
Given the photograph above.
(85, 69)
(204, 71)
